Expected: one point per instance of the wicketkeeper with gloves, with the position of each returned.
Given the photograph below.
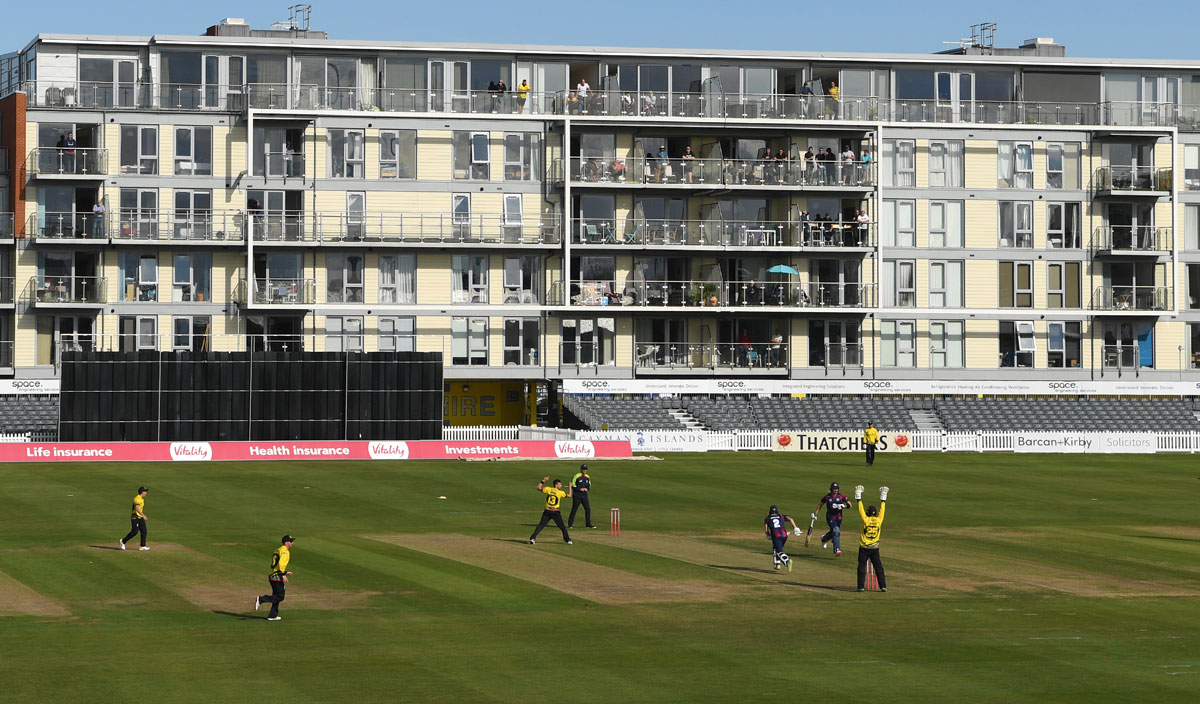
(868, 541)
(833, 502)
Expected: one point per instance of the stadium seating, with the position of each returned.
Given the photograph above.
(1067, 414)
(29, 414)
(636, 413)
(833, 413)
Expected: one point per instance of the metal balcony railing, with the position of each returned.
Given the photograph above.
(87, 95)
(272, 291)
(197, 225)
(843, 356)
(49, 289)
(1132, 179)
(282, 164)
(72, 226)
(1132, 298)
(647, 232)
(755, 354)
(7, 226)
(683, 293)
(1122, 358)
(1130, 238)
(729, 172)
(7, 290)
(61, 161)
(414, 228)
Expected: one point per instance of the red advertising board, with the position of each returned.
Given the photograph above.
(306, 450)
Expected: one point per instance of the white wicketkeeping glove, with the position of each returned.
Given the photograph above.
(883, 490)
(858, 490)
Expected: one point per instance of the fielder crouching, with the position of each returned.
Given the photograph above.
(868, 541)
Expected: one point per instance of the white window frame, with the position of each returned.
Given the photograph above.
(344, 333)
(1061, 348)
(527, 165)
(944, 295)
(894, 234)
(475, 288)
(394, 163)
(1064, 280)
(523, 358)
(901, 172)
(939, 235)
(1016, 288)
(468, 330)
(1056, 178)
(146, 339)
(192, 158)
(906, 294)
(943, 341)
(348, 289)
(898, 343)
(1065, 239)
(1021, 237)
(1026, 337)
(190, 335)
(142, 159)
(944, 176)
(1018, 176)
(397, 333)
(353, 163)
(391, 292)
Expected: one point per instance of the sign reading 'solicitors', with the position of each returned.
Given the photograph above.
(835, 441)
(654, 440)
(1104, 443)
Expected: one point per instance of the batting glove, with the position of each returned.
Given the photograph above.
(813, 516)
(798, 533)
(883, 491)
(858, 490)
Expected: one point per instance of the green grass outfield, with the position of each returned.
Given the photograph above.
(1011, 578)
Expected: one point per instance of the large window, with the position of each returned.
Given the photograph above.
(1191, 167)
(139, 277)
(1062, 165)
(898, 343)
(138, 212)
(522, 156)
(899, 162)
(346, 153)
(899, 223)
(1063, 345)
(946, 163)
(521, 277)
(1017, 344)
(1062, 225)
(472, 160)
(191, 277)
(522, 341)
(1062, 284)
(193, 151)
(191, 332)
(1014, 165)
(139, 149)
(398, 279)
(469, 341)
(947, 348)
(398, 154)
(1016, 284)
(344, 278)
(469, 279)
(946, 284)
(945, 223)
(343, 333)
(397, 334)
(899, 284)
(589, 341)
(1016, 224)
(138, 332)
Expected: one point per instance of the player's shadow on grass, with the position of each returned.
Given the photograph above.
(821, 586)
(740, 568)
(103, 547)
(242, 617)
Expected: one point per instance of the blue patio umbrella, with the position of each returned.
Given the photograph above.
(782, 269)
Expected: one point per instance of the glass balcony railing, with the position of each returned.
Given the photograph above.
(199, 225)
(272, 291)
(1121, 358)
(1132, 298)
(636, 232)
(1131, 239)
(7, 290)
(1132, 179)
(7, 226)
(69, 226)
(752, 354)
(728, 172)
(682, 293)
(413, 228)
(62, 161)
(50, 289)
(843, 356)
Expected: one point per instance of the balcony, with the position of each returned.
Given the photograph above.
(1140, 240)
(407, 228)
(7, 226)
(7, 291)
(56, 162)
(1133, 180)
(752, 357)
(67, 291)
(648, 234)
(275, 292)
(715, 294)
(1132, 298)
(706, 173)
(85, 95)
(176, 226)
(277, 96)
(1121, 359)
(67, 227)
(843, 357)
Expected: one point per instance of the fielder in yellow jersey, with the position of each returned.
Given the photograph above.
(552, 512)
(137, 518)
(870, 439)
(278, 577)
(868, 541)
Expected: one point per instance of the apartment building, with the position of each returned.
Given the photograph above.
(604, 213)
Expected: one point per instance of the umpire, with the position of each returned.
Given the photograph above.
(582, 484)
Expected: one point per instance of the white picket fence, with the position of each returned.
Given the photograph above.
(742, 440)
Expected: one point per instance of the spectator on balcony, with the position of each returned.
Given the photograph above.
(591, 170)
(627, 103)
(254, 214)
(781, 165)
(805, 224)
(865, 168)
(864, 226)
(98, 218)
(689, 163)
(744, 348)
(810, 165)
(572, 103)
(835, 94)
(662, 162)
(830, 163)
(777, 349)
(848, 166)
(289, 160)
(766, 165)
(752, 293)
(60, 151)
(522, 95)
(806, 98)
(583, 89)
(649, 101)
(617, 171)
(69, 145)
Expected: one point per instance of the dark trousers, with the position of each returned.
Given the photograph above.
(870, 454)
(137, 525)
(275, 597)
(576, 502)
(777, 545)
(871, 554)
(547, 516)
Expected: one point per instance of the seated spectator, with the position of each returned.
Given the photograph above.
(591, 170)
(753, 294)
(626, 103)
(617, 171)
(573, 104)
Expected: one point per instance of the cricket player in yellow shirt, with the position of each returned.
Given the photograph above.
(278, 577)
(137, 518)
(868, 540)
(552, 512)
(870, 438)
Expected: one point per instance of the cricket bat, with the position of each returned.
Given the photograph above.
(808, 535)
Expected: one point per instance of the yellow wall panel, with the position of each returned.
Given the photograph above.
(434, 158)
(979, 162)
(981, 279)
(981, 222)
